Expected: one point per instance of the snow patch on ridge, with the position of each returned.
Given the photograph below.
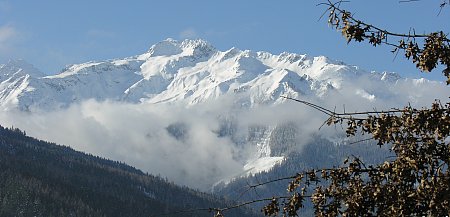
(263, 164)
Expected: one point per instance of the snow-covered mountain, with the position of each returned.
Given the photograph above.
(193, 72)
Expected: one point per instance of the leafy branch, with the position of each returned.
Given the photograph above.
(415, 182)
(434, 50)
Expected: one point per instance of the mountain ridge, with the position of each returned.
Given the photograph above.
(186, 101)
(192, 71)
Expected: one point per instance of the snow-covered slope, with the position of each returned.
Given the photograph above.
(193, 72)
(190, 71)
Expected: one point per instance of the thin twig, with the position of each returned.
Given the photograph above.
(335, 114)
(359, 141)
(334, 7)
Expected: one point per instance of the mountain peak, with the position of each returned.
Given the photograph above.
(19, 66)
(191, 71)
(167, 47)
(19, 63)
(187, 47)
(291, 57)
(197, 48)
(197, 44)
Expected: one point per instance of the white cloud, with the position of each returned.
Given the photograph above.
(8, 36)
(188, 33)
(7, 33)
(139, 135)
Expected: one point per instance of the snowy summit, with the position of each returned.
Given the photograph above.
(189, 71)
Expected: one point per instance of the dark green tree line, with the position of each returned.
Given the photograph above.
(38, 178)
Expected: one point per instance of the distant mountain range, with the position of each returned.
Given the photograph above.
(194, 73)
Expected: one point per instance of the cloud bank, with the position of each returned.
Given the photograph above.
(184, 143)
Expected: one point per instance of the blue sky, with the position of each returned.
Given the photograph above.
(53, 33)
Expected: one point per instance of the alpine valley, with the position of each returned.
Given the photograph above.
(209, 119)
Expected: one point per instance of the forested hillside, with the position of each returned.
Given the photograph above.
(38, 178)
(319, 153)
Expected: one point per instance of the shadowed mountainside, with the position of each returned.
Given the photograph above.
(38, 178)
